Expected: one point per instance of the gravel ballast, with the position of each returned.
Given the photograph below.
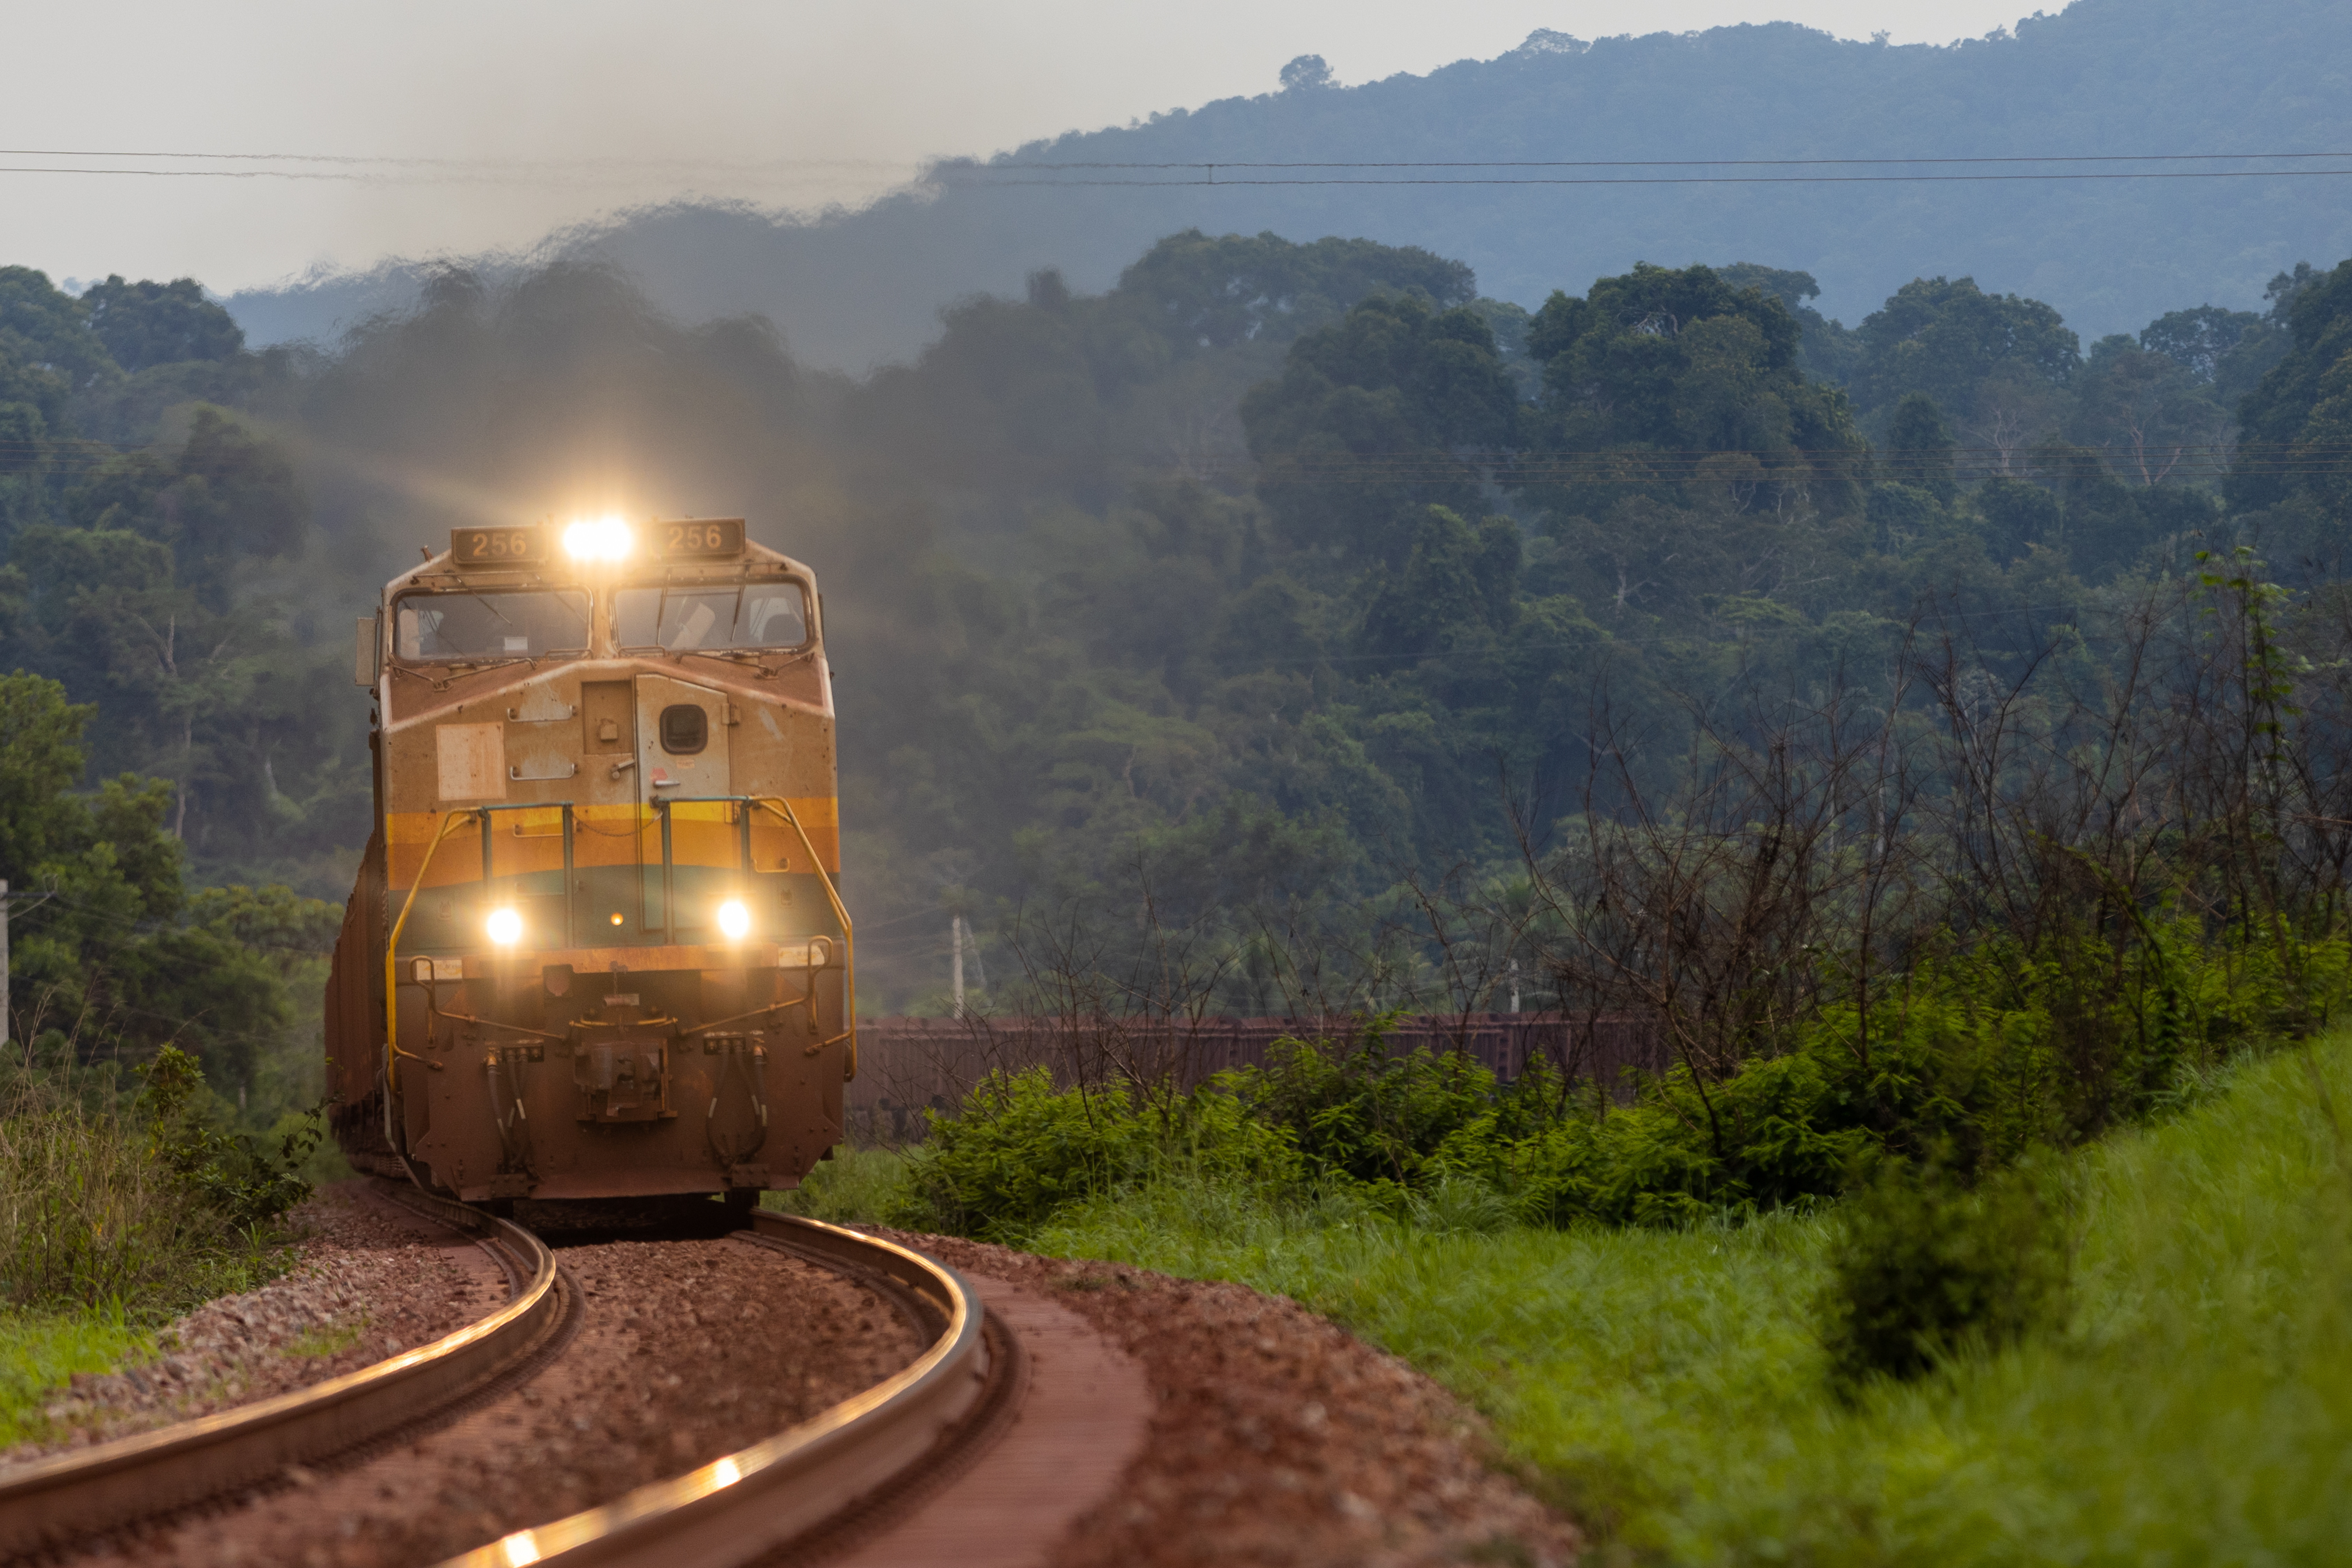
(685, 1351)
(1279, 1438)
(369, 1279)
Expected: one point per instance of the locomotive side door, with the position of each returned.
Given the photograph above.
(681, 755)
(681, 740)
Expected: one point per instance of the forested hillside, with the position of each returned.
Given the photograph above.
(1274, 582)
(2099, 79)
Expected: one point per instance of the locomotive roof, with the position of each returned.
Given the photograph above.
(441, 573)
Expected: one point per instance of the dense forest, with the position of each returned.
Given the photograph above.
(1270, 587)
(2095, 79)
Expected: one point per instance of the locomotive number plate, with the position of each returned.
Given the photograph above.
(701, 538)
(497, 546)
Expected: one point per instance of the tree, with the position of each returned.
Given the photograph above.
(40, 754)
(150, 324)
(1661, 367)
(1997, 363)
(1919, 447)
(2297, 424)
(44, 326)
(1376, 419)
(1306, 72)
(2199, 341)
(2148, 405)
(1829, 349)
(1207, 292)
(1438, 593)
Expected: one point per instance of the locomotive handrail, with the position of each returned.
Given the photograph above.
(449, 824)
(783, 808)
(656, 809)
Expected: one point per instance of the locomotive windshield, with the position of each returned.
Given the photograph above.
(523, 624)
(687, 620)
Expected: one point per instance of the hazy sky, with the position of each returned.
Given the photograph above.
(782, 105)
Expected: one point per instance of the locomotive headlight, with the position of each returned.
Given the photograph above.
(506, 927)
(598, 539)
(734, 920)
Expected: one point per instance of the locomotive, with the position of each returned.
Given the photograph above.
(596, 948)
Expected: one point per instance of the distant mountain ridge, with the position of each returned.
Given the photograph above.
(2104, 77)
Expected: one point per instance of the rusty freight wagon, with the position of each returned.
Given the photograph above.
(596, 948)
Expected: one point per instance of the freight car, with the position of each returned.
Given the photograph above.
(597, 947)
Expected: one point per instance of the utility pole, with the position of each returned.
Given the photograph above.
(955, 984)
(1514, 986)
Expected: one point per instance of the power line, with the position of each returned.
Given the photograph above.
(963, 165)
(392, 169)
(1597, 465)
(351, 177)
(1652, 162)
(1680, 179)
(1212, 181)
(602, 162)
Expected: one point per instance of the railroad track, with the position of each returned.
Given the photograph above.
(91, 1489)
(733, 1511)
(745, 1506)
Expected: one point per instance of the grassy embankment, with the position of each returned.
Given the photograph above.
(118, 1212)
(1670, 1385)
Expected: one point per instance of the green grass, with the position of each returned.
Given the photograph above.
(330, 1339)
(1669, 1387)
(40, 1352)
(856, 1185)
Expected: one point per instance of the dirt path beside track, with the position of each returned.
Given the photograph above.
(1278, 1438)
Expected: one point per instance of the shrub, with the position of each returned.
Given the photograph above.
(1968, 1061)
(229, 1172)
(143, 1205)
(1357, 1109)
(1922, 1268)
(1017, 1149)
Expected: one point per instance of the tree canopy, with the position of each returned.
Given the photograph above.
(1275, 573)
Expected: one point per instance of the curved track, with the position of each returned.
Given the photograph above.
(875, 1451)
(742, 1506)
(100, 1487)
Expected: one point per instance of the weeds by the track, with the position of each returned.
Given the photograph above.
(855, 1185)
(119, 1211)
(1672, 1387)
(40, 1352)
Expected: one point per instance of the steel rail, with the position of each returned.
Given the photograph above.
(92, 1490)
(738, 1508)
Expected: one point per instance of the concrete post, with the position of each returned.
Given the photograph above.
(955, 984)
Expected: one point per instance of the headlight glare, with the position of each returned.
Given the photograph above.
(734, 920)
(598, 539)
(506, 927)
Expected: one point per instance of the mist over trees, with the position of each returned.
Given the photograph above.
(2099, 78)
(1273, 578)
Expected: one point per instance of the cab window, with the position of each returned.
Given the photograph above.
(687, 620)
(490, 625)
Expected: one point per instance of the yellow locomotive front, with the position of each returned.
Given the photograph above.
(596, 948)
